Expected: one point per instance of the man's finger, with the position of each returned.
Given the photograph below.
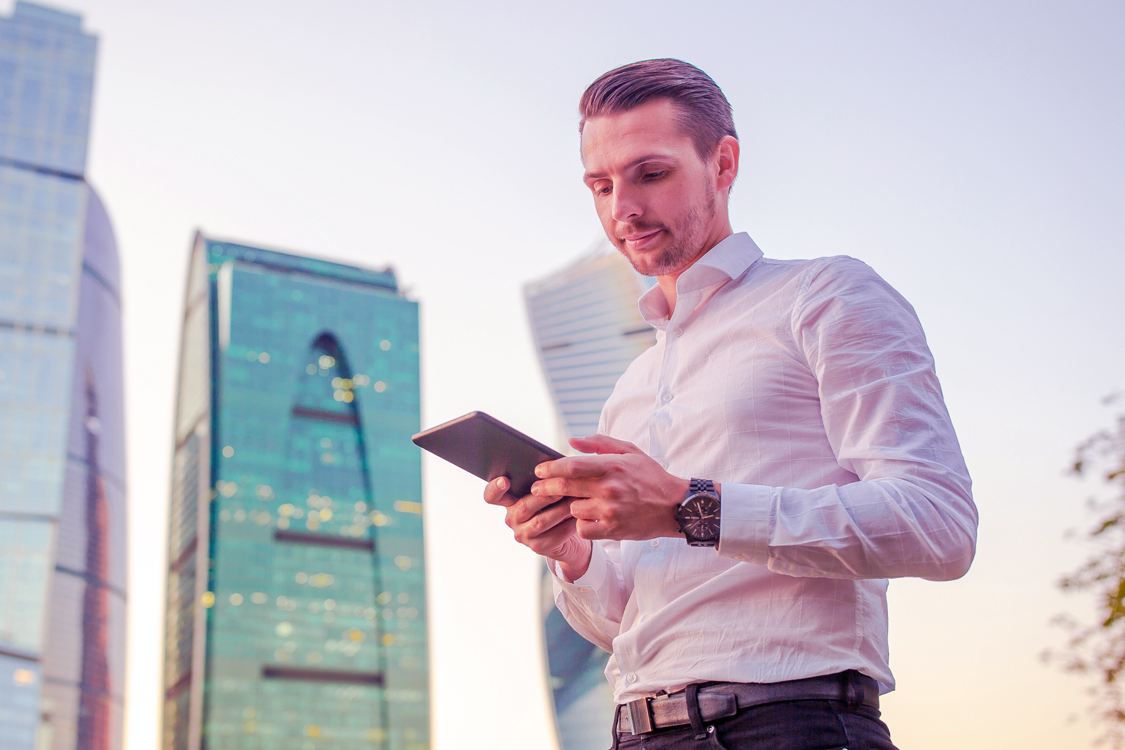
(602, 444)
(578, 486)
(549, 543)
(589, 529)
(584, 509)
(529, 505)
(572, 466)
(545, 521)
(496, 492)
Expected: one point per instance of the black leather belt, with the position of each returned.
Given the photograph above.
(722, 699)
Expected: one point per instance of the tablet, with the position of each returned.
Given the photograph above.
(486, 447)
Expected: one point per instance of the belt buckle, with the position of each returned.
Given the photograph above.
(640, 717)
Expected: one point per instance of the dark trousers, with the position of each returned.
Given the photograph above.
(792, 725)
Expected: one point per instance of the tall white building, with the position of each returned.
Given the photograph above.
(587, 329)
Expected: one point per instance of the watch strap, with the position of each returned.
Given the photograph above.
(701, 485)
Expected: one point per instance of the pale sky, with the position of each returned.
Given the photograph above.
(971, 152)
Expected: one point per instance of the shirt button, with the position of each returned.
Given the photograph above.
(655, 542)
(679, 331)
(667, 396)
(632, 677)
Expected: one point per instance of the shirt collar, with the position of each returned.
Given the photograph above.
(725, 261)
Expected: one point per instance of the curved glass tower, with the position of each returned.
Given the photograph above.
(296, 599)
(587, 329)
(62, 448)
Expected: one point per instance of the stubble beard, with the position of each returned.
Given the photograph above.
(684, 247)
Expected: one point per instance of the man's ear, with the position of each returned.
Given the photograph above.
(727, 162)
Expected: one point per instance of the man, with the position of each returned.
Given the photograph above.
(759, 473)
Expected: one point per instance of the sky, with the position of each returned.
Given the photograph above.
(971, 152)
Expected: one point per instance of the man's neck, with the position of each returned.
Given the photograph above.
(668, 282)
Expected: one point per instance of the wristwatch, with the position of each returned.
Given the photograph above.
(698, 514)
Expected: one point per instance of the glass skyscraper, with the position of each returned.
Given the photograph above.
(296, 612)
(62, 452)
(587, 329)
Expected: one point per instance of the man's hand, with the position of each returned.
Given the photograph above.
(543, 524)
(619, 493)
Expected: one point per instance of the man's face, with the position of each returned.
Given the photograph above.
(654, 195)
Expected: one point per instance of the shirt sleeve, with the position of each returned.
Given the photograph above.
(911, 512)
(595, 603)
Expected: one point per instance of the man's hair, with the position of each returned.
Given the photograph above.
(705, 113)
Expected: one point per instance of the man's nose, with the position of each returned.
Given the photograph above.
(625, 207)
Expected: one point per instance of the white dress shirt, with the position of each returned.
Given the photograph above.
(807, 389)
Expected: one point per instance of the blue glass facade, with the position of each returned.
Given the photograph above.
(62, 463)
(46, 89)
(296, 588)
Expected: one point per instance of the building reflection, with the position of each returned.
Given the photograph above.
(62, 459)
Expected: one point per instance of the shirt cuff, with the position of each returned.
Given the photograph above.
(745, 521)
(595, 572)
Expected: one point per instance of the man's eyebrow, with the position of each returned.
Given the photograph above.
(635, 163)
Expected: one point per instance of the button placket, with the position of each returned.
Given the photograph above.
(658, 419)
(667, 368)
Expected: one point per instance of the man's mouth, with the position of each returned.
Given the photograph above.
(640, 240)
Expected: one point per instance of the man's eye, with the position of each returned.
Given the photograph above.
(655, 175)
(603, 190)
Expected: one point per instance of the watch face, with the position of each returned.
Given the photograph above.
(699, 517)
